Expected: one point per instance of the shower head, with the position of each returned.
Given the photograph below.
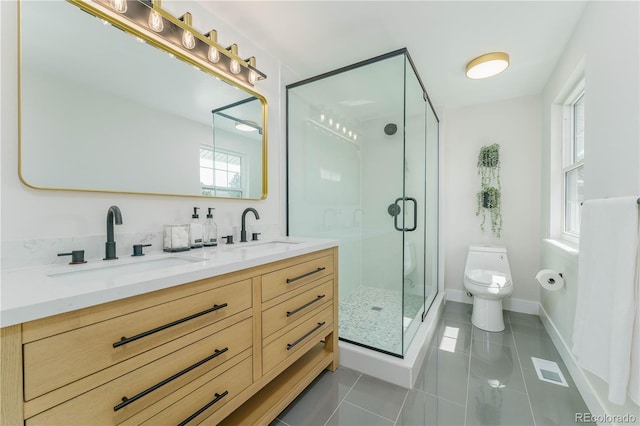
(390, 129)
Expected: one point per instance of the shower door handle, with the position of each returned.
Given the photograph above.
(415, 214)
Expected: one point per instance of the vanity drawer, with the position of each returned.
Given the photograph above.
(152, 382)
(289, 311)
(54, 361)
(313, 329)
(307, 269)
(207, 399)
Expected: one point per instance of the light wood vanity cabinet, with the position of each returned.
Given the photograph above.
(232, 349)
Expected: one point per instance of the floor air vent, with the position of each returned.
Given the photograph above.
(549, 371)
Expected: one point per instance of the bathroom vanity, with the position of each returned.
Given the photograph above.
(226, 335)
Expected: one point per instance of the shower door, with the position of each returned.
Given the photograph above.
(356, 173)
(414, 234)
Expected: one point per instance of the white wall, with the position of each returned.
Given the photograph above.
(29, 214)
(606, 44)
(164, 159)
(515, 125)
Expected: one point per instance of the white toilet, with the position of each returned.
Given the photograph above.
(409, 257)
(488, 278)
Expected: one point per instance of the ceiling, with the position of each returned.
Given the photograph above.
(313, 37)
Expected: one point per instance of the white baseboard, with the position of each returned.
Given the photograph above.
(509, 303)
(582, 383)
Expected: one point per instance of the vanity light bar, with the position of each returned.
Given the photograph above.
(152, 22)
(334, 127)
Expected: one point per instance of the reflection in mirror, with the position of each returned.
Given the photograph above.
(102, 111)
(226, 168)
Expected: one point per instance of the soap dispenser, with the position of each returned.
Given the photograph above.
(210, 230)
(195, 230)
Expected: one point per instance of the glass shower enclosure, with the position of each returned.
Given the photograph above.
(362, 168)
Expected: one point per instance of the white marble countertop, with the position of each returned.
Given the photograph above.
(39, 292)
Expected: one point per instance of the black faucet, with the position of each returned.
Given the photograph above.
(113, 215)
(243, 232)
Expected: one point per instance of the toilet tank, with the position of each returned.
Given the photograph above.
(492, 258)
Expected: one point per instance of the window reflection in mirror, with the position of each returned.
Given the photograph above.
(227, 167)
(102, 111)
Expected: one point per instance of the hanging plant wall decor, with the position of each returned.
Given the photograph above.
(488, 199)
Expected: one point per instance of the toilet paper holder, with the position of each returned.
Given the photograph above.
(552, 281)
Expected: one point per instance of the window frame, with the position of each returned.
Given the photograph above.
(224, 189)
(570, 162)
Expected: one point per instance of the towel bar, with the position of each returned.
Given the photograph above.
(637, 201)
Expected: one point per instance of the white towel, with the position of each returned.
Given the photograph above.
(605, 333)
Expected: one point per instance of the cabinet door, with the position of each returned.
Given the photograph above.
(133, 392)
(290, 346)
(61, 359)
(293, 309)
(295, 276)
(207, 399)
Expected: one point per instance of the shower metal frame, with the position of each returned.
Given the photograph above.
(402, 51)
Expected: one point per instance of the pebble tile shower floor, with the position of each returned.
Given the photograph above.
(374, 317)
(469, 377)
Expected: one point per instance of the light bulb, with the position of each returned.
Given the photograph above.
(321, 117)
(213, 55)
(331, 122)
(119, 6)
(188, 40)
(337, 126)
(234, 66)
(344, 130)
(355, 136)
(155, 21)
(253, 77)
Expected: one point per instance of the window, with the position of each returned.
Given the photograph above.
(573, 162)
(220, 172)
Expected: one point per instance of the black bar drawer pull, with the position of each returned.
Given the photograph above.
(126, 340)
(218, 397)
(126, 401)
(291, 345)
(295, 311)
(290, 280)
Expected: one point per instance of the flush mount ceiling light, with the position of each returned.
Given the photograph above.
(487, 65)
(247, 126)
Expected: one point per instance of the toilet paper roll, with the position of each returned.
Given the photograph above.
(550, 279)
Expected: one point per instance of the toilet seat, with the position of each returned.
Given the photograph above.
(487, 278)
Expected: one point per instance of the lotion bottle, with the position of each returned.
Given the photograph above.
(210, 230)
(195, 230)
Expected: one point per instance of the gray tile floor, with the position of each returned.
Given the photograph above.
(470, 377)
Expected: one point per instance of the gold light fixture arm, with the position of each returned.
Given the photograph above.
(195, 47)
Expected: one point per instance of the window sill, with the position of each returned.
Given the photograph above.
(565, 248)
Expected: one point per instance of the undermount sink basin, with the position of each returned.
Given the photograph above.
(265, 245)
(114, 270)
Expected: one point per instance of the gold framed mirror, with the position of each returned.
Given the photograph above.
(109, 106)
